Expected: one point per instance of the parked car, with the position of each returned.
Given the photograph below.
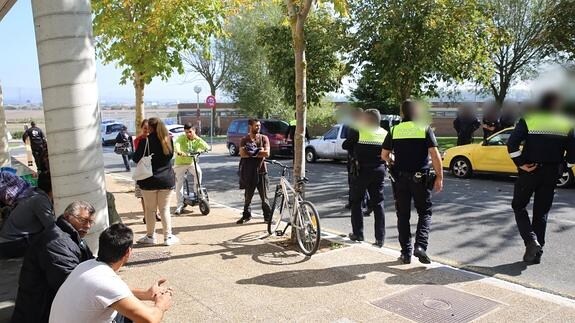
(389, 120)
(109, 131)
(275, 130)
(489, 156)
(175, 130)
(327, 146)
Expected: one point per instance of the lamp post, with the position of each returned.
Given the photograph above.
(198, 89)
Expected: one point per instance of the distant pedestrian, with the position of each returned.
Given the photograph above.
(541, 144)
(254, 149)
(144, 131)
(490, 121)
(124, 146)
(37, 141)
(508, 117)
(465, 125)
(158, 189)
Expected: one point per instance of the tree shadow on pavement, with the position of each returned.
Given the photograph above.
(512, 269)
(309, 278)
(266, 253)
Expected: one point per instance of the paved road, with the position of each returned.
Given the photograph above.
(473, 225)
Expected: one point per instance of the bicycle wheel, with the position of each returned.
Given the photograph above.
(308, 232)
(277, 211)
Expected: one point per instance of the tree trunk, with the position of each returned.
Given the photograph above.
(139, 85)
(4, 145)
(301, 99)
(70, 97)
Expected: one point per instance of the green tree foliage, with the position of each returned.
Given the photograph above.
(405, 47)
(144, 37)
(249, 81)
(561, 29)
(325, 43)
(522, 40)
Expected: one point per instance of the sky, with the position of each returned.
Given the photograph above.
(20, 79)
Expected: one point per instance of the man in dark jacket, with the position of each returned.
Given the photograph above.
(37, 141)
(465, 125)
(49, 261)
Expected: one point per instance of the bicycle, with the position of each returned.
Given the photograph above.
(297, 212)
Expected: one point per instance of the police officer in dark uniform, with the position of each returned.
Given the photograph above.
(37, 143)
(412, 143)
(366, 145)
(548, 139)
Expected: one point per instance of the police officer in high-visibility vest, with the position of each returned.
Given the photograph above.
(369, 174)
(548, 142)
(407, 149)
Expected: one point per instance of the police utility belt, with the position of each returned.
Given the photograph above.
(421, 177)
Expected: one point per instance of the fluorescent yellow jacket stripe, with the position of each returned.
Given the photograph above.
(370, 136)
(409, 130)
(547, 124)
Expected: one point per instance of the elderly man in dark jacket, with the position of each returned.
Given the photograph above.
(49, 261)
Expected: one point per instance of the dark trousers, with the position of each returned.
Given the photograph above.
(369, 180)
(262, 187)
(405, 189)
(40, 165)
(14, 248)
(126, 160)
(541, 184)
(464, 140)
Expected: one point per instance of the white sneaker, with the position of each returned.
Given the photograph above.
(147, 240)
(171, 240)
(179, 210)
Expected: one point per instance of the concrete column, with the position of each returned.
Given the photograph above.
(4, 146)
(70, 97)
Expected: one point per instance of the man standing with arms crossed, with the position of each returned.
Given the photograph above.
(254, 149)
(412, 143)
(183, 147)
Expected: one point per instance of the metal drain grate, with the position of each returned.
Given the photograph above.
(432, 303)
(146, 258)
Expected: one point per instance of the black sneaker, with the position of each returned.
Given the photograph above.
(243, 220)
(531, 250)
(405, 258)
(378, 243)
(538, 256)
(354, 237)
(421, 254)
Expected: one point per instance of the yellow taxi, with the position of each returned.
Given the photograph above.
(489, 156)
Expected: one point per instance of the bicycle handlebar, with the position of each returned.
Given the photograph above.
(275, 162)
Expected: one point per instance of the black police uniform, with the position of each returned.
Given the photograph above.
(350, 132)
(549, 140)
(37, 142)
(366, 145)
(409, 143)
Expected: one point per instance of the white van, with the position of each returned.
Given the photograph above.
(109, 131)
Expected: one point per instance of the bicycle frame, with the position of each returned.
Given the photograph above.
(295, 198)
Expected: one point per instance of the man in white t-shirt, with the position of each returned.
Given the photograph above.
(94, 292)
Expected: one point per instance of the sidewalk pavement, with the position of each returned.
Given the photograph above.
(235, 273)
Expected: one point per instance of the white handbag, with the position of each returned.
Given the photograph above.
(144, 168)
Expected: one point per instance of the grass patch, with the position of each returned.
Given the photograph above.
(449, 142)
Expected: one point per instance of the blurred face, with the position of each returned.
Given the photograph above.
(145, 129)
(82, 222)
(190, 133)
(255, 128)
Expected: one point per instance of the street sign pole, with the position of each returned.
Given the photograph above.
(211, 102)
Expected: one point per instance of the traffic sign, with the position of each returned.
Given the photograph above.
(211, 101)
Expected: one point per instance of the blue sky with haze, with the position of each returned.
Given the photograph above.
(21, 80)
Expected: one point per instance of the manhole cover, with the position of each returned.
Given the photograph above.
(146, 258)
(432, 303)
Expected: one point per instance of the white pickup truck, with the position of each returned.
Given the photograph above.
(327, 146)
